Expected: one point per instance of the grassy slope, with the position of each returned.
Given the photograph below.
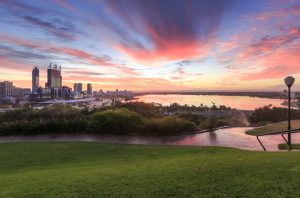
(280, 126)
(107, 170)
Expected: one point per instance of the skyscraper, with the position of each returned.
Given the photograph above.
(54, 78)
(89, 88)
(35, 79)
(77, 88)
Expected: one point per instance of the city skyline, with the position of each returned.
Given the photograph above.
(153, 45)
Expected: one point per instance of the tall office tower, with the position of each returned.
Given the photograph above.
(89, 88)
(75, 87)
(35, 79)
(54, 78)
(79, 87)
(6, 89)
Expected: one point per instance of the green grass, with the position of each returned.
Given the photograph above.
(107, 170)
(280, 126)
(286, 147)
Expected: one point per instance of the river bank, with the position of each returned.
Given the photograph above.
(226, 137)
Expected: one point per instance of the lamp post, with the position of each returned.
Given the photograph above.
(289, 81)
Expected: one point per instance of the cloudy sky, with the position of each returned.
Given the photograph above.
(153, 44)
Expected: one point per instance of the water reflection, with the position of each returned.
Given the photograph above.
(238, 102)
(230, 137)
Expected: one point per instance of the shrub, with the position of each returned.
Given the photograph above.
(168, 126)
(195, 118)
(209, 123)
(275, 114)
(57, 118)
(213, 122)
(119, 121)
(147, 110)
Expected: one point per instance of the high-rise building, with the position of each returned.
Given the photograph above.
(35, 80)
(6, 89)
(75, 87)
(54, 78)
(79, 87)
(77, 90)
(89, 88)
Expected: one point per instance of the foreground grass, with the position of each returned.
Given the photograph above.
(286, 147)
(280, 126)
(107, 170)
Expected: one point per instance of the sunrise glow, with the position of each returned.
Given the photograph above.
(153, 45)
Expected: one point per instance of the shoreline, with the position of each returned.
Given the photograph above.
(231, 137)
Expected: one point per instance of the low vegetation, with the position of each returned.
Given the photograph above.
(168, 125)
(129, 118)
(269, 114)
(118, 121)
(135, 118)
(107, 170)
(29, 121)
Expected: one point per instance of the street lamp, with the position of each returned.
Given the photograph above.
(289, 81)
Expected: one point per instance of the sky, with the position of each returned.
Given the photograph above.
(153, 45)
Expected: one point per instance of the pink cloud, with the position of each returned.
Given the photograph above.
(279, 64)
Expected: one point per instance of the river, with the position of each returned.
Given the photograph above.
(237, 102)
(228, 137)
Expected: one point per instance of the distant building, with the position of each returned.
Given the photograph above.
(112, 94)
(77, 88)
(20, 92)
(54, 80)
(35, 80)
(6, 89)
(44, 93)
(89, 89)
(66, 92)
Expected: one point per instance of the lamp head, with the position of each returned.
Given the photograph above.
(289, 81)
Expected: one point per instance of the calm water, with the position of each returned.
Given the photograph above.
(230, 137)
(238, 102)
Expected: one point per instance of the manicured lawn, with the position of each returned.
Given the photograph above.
(280, 126)
(108, 170)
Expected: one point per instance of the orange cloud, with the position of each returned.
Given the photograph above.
(281, 63)
(167, 52)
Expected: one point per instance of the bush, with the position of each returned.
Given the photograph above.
(147, 110)
(168, 126)
(144, 119)
(57, 118)
(195, 118)
(119, 121)
(275, 114)
(213, 122)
